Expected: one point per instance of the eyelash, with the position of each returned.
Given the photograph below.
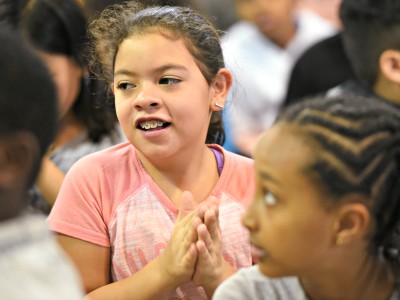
(174, 80)
(124, 85)
(162, 81)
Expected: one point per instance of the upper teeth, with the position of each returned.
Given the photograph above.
(151, 124)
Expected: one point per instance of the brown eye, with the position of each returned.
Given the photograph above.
(169, 80)
(125, 86)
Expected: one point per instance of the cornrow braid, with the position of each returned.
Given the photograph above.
(358, 142)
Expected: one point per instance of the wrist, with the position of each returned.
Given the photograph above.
(164, 277)
(212, 283)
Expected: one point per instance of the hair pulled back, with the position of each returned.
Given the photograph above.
(357, 143)
(121, 21)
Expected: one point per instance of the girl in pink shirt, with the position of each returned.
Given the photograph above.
(158, 217)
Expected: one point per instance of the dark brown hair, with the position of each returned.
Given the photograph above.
(59, 27)
(120, 21)
(356, 150)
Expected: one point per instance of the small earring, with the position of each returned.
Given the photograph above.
(219, 105)
(339, 241)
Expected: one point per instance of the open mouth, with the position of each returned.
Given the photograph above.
(152, 125)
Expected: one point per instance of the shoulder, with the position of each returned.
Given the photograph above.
(249, 283)
(237, 177)
(25, 241)
(114, 164)
(107, 157)
(235, 162)
(116, 168)
(325, 49)
(237, 159)
(238, 164)
(350, 88)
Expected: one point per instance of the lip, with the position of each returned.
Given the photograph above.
(257, 252)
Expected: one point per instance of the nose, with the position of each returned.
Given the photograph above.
(145, 100)
(248, 219)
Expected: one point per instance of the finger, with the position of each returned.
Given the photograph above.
(211, 220)
(189, 260)
(202, 250)
(185, 231)
(187, 204)
(206, 205)
(191, 235)
(187, 220)
(192, 253)
(210, 217)
(212, 201)
(204, 236)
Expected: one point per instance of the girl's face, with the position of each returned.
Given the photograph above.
(289, 227)
(163, 101)
(67, 76)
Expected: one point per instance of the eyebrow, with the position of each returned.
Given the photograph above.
(160, 69)
(267, 176)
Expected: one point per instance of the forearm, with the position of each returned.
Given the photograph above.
(148, 283)
(49, 180)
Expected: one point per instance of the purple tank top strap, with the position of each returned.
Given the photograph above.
(219, 158)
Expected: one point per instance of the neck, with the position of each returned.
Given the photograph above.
(368, 280)
(195, 172)
(387, 89)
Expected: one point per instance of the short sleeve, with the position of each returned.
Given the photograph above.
(80, 210)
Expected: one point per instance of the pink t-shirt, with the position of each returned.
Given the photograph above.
(109, 199)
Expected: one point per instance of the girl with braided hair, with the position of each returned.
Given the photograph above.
(324, 222)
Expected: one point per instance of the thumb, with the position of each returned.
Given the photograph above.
(187, 204)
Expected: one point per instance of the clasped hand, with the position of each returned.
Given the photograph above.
(194, 250)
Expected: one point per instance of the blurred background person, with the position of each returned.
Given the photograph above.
(371, 39)
(363, 59)
(57, 30)
(322, 67)
(221, 13)
(261, 50)
(32, 264)
(327, 59)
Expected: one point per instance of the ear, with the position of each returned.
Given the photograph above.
(112, 88)
(18, 154)
(389, 64)
(220, 88)
(352, 223)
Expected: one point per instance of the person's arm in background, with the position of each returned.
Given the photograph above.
(49, 180)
